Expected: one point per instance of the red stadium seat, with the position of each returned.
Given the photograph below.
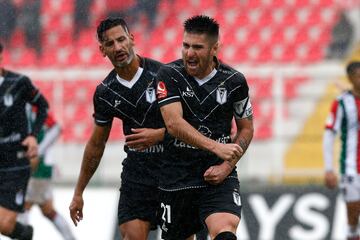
(63, 6)
(229, 4)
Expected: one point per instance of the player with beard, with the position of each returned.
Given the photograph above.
(17, 145)
(127, 93)
(198, 97)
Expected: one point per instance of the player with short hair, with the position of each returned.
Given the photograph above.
(127, 93)
(198, 97)
(344, 119)
(17, 145)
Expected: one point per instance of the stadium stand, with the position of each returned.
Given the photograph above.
(253, 32)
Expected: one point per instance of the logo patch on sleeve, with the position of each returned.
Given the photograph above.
(161, 90)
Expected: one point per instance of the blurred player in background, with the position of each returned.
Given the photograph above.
(127, 93)
(344, 117)
(18, 144)
(198, 97)
(40, 191)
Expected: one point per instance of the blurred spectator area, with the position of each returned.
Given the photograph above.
(252, 31)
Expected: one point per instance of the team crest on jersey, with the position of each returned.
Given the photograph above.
(150, 95)
(221, 95)
(8, 100)
(161, 90)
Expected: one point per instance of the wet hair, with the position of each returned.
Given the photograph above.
(201, 24)
(351, 67)
(1, 47)
(108, 23)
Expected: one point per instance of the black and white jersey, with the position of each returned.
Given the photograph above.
(209, 105)
(134, 102)
(15, 92)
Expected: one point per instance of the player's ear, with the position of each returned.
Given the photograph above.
(101, 48)
(132, 38)
(215, 48)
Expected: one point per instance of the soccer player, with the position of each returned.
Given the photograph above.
(17, 146)
(198, 97)
(344, 119)
(40, 190)
(127, 93)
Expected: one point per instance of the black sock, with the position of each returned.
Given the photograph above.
(225, 236)
(22, 232)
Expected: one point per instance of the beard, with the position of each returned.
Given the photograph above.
(127, 61)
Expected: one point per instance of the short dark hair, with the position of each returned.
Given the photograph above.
(1, 47)
(108, 23)
(352, 66)
(201, 24)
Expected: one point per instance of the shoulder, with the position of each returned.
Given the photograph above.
(16, 77)
(151, 65)
(103, 86)
(345, 94)
(231, 73)
(175, 67)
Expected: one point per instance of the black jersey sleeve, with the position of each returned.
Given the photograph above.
(35, 98)
(241, 103)
(167, 88)
(102, 110)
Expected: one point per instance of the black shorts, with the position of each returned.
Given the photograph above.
(183, 212)
(138, 202)
(13, 184)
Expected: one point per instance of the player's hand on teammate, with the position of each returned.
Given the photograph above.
(230, 152)
(143, 138)
(76, 207)
(217, 173)
(31, 145)
(330, 179)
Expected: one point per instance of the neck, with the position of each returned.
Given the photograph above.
(128, 72)
(211, 68)
(2, 72)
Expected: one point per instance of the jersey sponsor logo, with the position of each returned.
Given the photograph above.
(159, 148)
(221, 95)
(8, 100)
(204, 130)
(161, 90)
(224, 140)
(150, 95)
(237, 198)
(117, 103)
(180, 144)
(188, 93)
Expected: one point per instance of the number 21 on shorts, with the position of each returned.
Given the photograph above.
(166, 215)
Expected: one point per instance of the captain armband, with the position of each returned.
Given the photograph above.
(243, 108)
